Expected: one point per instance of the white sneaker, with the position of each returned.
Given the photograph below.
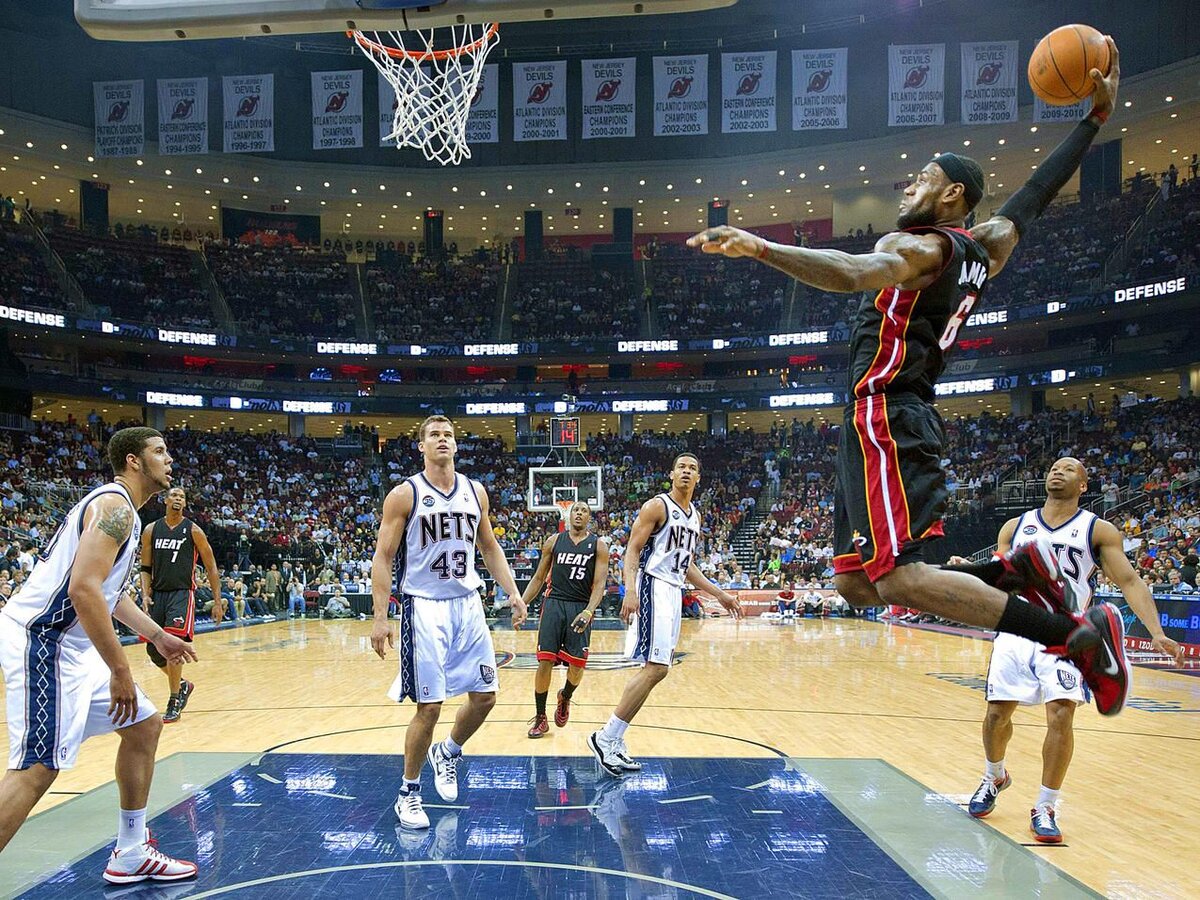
(621, 752)
(144, 862)
(445, 772)
(409, 810)
(605, 752)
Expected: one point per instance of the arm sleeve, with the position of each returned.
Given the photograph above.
(1028, 204)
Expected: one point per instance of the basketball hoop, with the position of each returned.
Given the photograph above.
(434, 88)
(564, 509)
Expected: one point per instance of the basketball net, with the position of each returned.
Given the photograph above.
(435, 89)
(564, 510)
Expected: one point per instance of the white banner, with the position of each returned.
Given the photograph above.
(249, 121)
(819, 89)
(1043, 112)
(609, 98)
(540, 101)
(337, 109)
(387, 110)
(917, 84)
(483, 126)
(989, 83)
(182, 116)
(120, 117)
(680, 95)
(747, 92)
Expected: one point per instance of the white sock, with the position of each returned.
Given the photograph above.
(1047, 797)
(413, 784)
(132, 829)
(451, 748)
(615, 729)
(994, 770)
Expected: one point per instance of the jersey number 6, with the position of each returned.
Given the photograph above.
(950, 335)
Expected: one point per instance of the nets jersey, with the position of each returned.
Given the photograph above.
(573, 569)
(436, 559)
(668, 553)
(1072, 542)
(898, 339)
(42, 603)
(172, 556)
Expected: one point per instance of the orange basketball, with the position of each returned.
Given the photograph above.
(1059, 67)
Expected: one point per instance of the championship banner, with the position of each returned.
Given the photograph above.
(819, 89)
(249, 122)
(337, 109)
(540, 101)
(182, 116)
(916, 84)
(120, 117)
(1044, 113)
(989, 82)
(680, 95)
(609, 98)
(747, 92)
(483, 126)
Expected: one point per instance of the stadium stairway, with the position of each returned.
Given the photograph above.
(223, 315)
(743, 536)
(70, 287)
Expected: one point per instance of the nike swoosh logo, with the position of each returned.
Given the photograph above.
(1111, 669)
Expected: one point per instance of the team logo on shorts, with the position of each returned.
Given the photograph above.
(1029, 529)
(487, 673)
(1067, 679)
(428, 501)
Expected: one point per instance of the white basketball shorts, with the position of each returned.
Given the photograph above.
(57, 695)
(654, 634)
(445, 649)
(1020, 670)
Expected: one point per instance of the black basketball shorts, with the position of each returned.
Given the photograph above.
(175, 612)
(557, 640)
(891, 490)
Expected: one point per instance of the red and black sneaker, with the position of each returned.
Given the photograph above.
(539, 727)
(1097, 648)
(562, 710)
(1032, 571)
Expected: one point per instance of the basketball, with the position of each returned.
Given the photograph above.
(1059, 66)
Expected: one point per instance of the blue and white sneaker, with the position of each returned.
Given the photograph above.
(984, 799)
(1043, 825)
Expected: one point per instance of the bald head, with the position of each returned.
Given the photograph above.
(1067, 479)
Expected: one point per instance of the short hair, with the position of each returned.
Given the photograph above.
(127, 441)
(430, 421)
(178, 487)
(676, 460)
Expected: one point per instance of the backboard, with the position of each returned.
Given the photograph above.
(550, 484)
(168, 20)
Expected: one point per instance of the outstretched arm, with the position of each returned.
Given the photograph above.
(1115, 565)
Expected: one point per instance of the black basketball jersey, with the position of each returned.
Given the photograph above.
(172, 556)
(574, 568)
(899, 338)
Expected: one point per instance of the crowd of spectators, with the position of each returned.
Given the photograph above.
(285, 292)
(569, 299)
(709, 295)
(1172, 247)
(24, 279)
(432, 299)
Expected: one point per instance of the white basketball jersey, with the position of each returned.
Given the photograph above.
(436, 559)
(1073, 542)
(668, 553)
(42, 601)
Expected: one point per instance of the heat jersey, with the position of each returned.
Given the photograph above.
(172, 556)
(899, 338)
(436, 559)
(573, 569)
(668, 553)
(1072, 542)
(42, 603)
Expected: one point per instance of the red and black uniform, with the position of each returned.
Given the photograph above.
(172, 581)
(891, 490)
(571, 576)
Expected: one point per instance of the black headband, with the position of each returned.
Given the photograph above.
(966, 172)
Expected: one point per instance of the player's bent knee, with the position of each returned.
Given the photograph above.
(1060, 714)
(998, 715)
(856, 589)
(144, 733)
(38, 777)
(485, 699)
(656, 672)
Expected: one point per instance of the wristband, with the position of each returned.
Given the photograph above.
(1099, 116)
(762, 254)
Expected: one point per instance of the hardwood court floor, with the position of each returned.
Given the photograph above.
(840, 689)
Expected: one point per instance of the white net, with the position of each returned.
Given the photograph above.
(435, 89)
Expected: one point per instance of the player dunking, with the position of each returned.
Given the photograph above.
(65, 674)
(1020, 672)
(431, 525)
(170, 547)
(576, 562)
(891, 489)
(658, 562)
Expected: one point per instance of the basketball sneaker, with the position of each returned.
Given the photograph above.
(1032, 571)
(984, 799)
(605, 752)
(540, 725)
(174, 709)
(621, 752)
(1097, 647)
(562, 711)
(409, 809)
(185, 691)
(445, 771)
(145, 862)
(1042, 824)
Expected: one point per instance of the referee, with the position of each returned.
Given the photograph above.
(169, 550)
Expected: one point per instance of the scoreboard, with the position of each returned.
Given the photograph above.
(564, 433)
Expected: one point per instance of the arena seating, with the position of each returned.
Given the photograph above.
(431, 300)
(24, 279)
(702, 296)
(569, 299)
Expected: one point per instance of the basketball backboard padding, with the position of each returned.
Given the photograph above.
(171, 20)
(546, 484)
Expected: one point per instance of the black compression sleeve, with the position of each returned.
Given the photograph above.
(1027, 204)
